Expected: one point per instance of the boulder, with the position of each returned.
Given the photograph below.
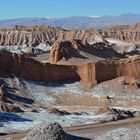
(46, 132)
(52, 131)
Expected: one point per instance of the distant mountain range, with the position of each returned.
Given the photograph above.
(76, 22)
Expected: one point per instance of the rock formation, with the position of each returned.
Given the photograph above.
(35, 70)
(56, 111)
(109, 69)
(35, 35)
(50, 132)
(28, 36)
(69, 49)
(1, 92)
(89, 74)
(123, 32)
(69, 44)
(76, 55)
(46, 132)
(5, 107)
(65, 50)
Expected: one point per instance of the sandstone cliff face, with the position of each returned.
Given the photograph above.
(28, 36)
(34, 70)
(109, 69)
(65, 50)
(59, 51)
(35, 35)
(1, 92)
(123, 33)
(90, 73)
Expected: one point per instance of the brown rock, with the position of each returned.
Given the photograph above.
(29, 35)
(90, 73)
(56, 111)
(35, 70)
(1, 92)
(4, 107)
(109, 69)
(102, 110)
(35, 35)
(87, 74)
(65, 50)
(59, 51)
(123, 32)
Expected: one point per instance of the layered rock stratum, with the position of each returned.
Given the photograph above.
(89, 73)
(123, 32)
(92, 70)
(34, 35)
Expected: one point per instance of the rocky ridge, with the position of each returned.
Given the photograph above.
(90, 73)
(123, 32)
(106, 67)
(74, 49)
(35, 35)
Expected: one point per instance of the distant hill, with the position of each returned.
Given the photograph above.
(76, 22)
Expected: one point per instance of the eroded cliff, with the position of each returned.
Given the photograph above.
(35, 70)
(93, 73)
(35, 35)
(90, 73)
(123, 32)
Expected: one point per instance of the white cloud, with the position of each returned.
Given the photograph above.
(95, 16)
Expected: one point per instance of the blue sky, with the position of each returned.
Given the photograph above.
(63, 8)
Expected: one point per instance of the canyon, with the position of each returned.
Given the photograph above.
(90, 74)
(74, 77)
(34, 35)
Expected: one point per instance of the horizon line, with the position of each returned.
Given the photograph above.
(90, 16)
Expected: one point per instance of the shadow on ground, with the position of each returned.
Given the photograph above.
(6, 117)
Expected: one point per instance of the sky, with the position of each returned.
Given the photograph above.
(10, 9)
